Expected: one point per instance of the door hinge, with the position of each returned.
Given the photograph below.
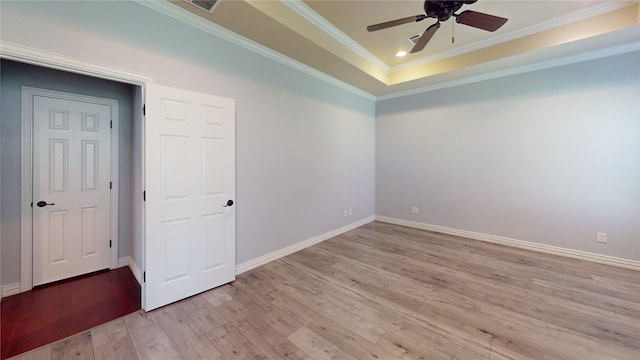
(144, 109)
(110, 243)
(110, 184)
(144, 276)
(144, 196)
(111, 124)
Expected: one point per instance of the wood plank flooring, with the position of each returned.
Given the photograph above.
(55, 311)
(388, 292)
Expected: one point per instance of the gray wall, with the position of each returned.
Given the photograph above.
(305, 148)
(549, 157)
(13, 76)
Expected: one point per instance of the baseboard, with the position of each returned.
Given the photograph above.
(264, 259)
(123, 261)
(135, 270)
(548, 249)
(10, 289)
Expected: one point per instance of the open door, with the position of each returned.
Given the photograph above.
(190, 190)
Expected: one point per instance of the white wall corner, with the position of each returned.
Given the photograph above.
(542, 248)
(10, 289)
(275, 255)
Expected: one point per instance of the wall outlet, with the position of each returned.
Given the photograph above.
(345, 213)
(601, 237)
(350, 211)
(415, 210)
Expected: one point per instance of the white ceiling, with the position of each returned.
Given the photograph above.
(330, 36)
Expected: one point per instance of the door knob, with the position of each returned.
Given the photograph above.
(43, 204)
(229, 203)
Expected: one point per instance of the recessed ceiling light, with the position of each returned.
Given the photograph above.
(401, 53)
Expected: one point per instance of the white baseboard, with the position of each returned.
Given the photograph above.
(252, 264)
(135, 270)
(128, 261)
(124, 261)
(548, 249)
(10, 289)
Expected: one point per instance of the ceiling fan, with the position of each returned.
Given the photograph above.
(442, 10)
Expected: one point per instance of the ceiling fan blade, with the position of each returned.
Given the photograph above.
(480, 20)
(426, 36)
(388, 24)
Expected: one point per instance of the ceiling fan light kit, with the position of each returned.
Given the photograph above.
(443, 10)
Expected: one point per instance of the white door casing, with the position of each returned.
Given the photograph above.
(72, 173)
(48, 59)
(190, 176)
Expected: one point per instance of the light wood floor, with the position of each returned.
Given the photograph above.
(389, 292)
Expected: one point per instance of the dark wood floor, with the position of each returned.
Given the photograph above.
(389, 292)
(53, 312)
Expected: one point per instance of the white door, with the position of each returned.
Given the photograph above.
(71, 195)
(190, 179)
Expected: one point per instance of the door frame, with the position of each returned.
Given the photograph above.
(15, 52)
(26, 219)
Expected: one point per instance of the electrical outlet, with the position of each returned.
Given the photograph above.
(345, 213)
(350, 211)
(601, 237)
(415, 210)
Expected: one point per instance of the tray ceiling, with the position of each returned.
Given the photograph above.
(331, 37)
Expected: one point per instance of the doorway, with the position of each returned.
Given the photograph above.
(125, 234)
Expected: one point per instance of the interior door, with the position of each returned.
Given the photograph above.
(190, 189)
(71, 190)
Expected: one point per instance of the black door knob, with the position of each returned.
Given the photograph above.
(229, 203)
(43, 204)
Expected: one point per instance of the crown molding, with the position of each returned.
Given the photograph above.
(321, 23)
(166, 8)
(616, 50)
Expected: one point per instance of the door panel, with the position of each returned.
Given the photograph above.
(58, 223)
(175, 168)
(214, 246)
(90, 163)
(190, 164)
(58, 165)
(89, 218)
(71, 174)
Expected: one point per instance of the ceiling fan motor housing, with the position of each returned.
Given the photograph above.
(443, 9)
